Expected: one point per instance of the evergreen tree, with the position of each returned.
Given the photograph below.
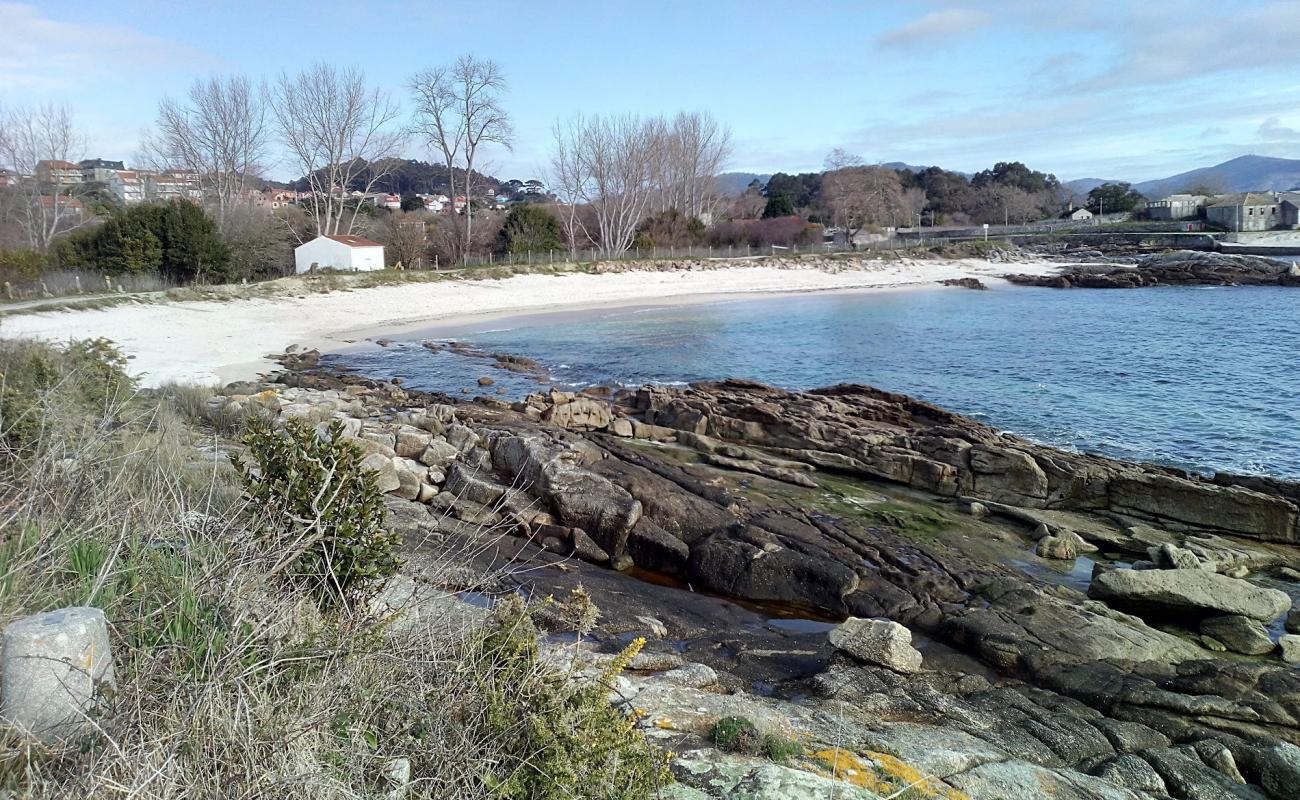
(531, 228)
(778, 205)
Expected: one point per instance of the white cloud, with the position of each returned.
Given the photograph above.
(39, 54)
(935, 25)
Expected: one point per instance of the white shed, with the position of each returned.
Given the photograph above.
(339, 252)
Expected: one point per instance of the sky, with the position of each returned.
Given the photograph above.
(1115, 90)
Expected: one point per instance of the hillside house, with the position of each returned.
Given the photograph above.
(341, 252)
(1290, 203)
(99, 170)
(1077, 214)
(1247, 211)
(1177, 206)
(57, 173)
(127, 186)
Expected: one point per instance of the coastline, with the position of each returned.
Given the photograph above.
(212, 342)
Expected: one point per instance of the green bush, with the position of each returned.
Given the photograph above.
(780, 748)
(555, 739)
(322, 508)
(176, 240)
(737, 734)
(77, 385)
(21, 266)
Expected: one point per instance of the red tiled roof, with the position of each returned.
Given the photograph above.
(56, 164)
(354, 241)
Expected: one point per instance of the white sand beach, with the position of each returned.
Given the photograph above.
(211, 342)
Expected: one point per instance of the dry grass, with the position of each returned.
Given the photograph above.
(231, 684)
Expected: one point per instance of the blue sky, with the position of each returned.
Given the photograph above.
(1108, 90)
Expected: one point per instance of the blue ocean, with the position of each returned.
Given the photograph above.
(1201, 378)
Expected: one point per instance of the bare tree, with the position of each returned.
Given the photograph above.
(614, 161)
(219, 132)
(687, 160)
(338, 132)
(38, 144)
(458, 110)
(857, 197)
(569, 180)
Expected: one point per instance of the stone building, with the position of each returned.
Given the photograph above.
(1246, 211)
(1177, 206)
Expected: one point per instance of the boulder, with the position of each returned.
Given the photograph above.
(1171, 556)
(1239, 634)
(463, 481)
(54, 665)
(439, 453)
(1176, 591)
(1290, 644)
(580, 413)
(1057, 547)
(386, 477)
(878, 641)
(410, 441)
(1279, 770)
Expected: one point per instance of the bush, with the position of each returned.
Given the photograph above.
(556, 739)
(72, 387)
(175, 239)
(21, 266)
(780, 748)
(737, 734)
(321, 508)
(530, 228)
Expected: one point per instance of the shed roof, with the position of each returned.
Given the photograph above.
(353, 241)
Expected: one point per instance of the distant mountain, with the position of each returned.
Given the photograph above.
(733, 184)
(1242, 174)
(1081, 186)
(918, 168)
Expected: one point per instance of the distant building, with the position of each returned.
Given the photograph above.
(8, 178)
(1177, 206)
(127, 186)
(1247, 211)
(1077, 214)
(392, 202)
(1290, 210)
(351, 253)
(69, 207)
(98, 170)
(57, 173)
(172, 184)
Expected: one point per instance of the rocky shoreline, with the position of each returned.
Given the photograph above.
(1094, 270)
(738, 523)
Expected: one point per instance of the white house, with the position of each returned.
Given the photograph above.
(339, 252)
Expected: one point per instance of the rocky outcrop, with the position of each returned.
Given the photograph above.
(1176, 268)
(703, 497)
(860, 430)
(1181, 591)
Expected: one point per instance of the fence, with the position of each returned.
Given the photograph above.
(586, 255)
(61, 283)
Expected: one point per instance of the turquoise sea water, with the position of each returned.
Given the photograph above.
(1202, 378)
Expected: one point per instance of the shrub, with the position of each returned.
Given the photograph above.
(21, 266)
(780, 748)
(175, 239)
(737, 734)
(531, 228)
(556, 739)
(321, 507)
(73, 386)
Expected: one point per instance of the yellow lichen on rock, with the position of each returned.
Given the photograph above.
(882, 774)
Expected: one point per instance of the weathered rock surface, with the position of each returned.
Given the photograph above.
(53, 668)
(1184, 590)
(1239, 634)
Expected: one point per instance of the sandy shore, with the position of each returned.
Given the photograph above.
(212, 342)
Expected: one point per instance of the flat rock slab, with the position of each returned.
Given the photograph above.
(1181, 590)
